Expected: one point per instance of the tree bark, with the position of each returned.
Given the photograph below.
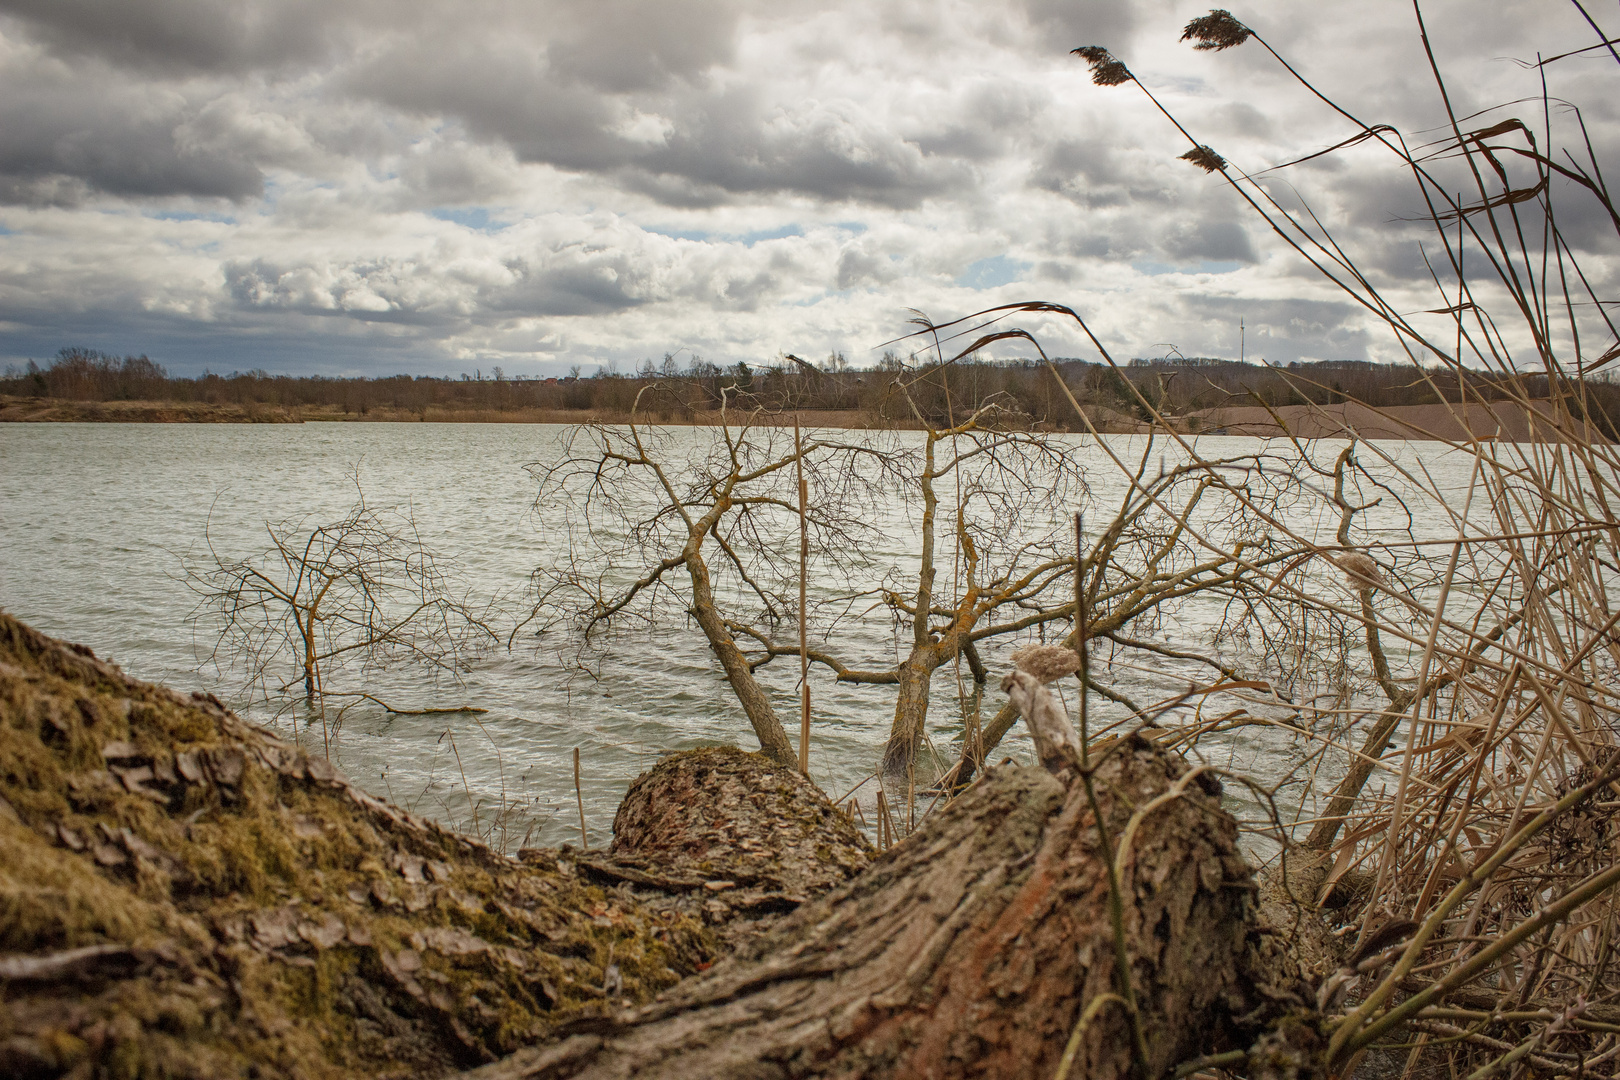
(972, 948)
(910, 716)
(773, 738)
(733, 839)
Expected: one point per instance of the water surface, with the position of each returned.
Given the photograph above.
(95, 520)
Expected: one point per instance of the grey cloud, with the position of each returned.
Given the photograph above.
(1050, 270)
(55, 189)
(722, 144)
(63, 135)
(629, 45)
(446, 172)
(557, 84)
(410, 291)
(828, 150)
(1217, 241)
(986, 120)
(675, 191)
(858, 268)
(500, 89)
(745, 291)
(1241, 118)
(1278, 330)
(357, 291)
(181, 35)
(1098, 170)
(571, 289)
(1069, 25)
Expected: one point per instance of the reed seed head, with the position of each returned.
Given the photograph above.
(1105, 70)
(1205, 158)
(1216, 31)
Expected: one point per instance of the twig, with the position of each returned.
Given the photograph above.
(407, 712)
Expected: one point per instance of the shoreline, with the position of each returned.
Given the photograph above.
(1506, 421)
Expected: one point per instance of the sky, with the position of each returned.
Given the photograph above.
(368, 187)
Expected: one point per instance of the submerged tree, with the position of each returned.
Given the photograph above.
(655, 519)
(666, 524)
(362, 590)
(987, 504)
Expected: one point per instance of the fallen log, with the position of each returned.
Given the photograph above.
(973, 948)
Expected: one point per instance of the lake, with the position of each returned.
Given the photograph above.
(95, 519)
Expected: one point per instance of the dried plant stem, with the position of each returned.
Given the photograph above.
(579, 796)
(464, 785)
(1346, 1038)
(885, 822)
(804, 606)
(1072, 1049)
(1395, 817)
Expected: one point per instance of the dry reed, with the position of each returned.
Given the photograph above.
(1476, 669)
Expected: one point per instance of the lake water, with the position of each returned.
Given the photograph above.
(95, 519)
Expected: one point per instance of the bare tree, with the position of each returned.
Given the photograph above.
(361, 591)
(662, 524)
(701, 524)
(993, 566)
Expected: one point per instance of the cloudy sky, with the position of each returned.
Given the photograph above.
(373, 186)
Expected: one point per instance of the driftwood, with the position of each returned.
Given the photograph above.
(973, 948)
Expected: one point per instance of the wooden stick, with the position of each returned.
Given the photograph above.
(1082, 631)
(804, 564)
(584, 840)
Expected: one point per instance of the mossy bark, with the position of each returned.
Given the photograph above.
(182, 894)
(733, 839)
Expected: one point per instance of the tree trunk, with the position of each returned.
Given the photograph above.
(917, 670)
(910, 717)
(972, 949)
(732, 839)
(773, 738)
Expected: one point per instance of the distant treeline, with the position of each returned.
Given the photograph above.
(671, 390)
